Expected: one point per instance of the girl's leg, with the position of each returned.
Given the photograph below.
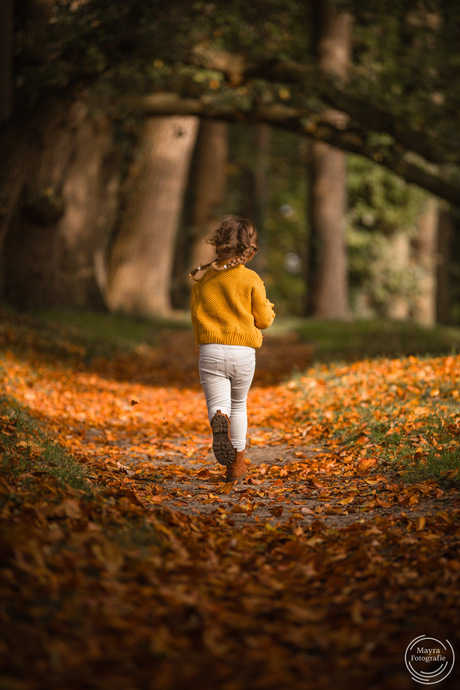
(241, 374)
(226, 374)
(217, 391)
(216, 385)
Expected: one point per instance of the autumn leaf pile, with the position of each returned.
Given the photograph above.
(132, 567)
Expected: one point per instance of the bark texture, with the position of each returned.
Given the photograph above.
(6, 59)
(141, 260)
(398, 305)
(209, 179)
(443, 261)
(425, 249)
(353, 137)
(328, 280)
(61, 203)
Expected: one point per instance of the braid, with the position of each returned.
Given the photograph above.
(235, 242)
(194, 271)
(237, 260)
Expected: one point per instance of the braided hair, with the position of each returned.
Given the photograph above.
(235, 241)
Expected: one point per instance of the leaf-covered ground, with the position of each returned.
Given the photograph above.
(134, 568)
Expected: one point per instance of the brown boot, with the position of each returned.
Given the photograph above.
(237, 469)
(221, 443)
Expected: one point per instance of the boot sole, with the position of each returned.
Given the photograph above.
(221, 445)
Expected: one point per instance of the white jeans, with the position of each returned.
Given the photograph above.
(226, 373)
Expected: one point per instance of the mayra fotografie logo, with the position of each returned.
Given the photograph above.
(429, 660)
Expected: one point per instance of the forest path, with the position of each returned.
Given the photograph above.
(139, 421)
(315, 571)
(293, 474)
(282, 485)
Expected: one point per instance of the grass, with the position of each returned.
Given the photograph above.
(102, 334)
(427, 452)
(25, 449)
(86, 334)
(354, 340)
(443, 466)
(438, 457)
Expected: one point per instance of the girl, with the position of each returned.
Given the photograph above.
(229, 307)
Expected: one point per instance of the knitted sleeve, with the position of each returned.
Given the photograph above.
(262, 308)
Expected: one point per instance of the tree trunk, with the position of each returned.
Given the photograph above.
(424, 307)
(203, 205)
(397, 305)
(209, 179)
(444, 249)
(263, 138)
(141, 260)
(328, 281)
(6, 59)
(60, 221)
(254, 199)
(21, 136)
(253, 183)
(51, 187)
(22, 140)
(328, 289)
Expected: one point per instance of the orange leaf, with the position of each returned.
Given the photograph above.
(421, 523)
(256, 482)
(226, 488)
(366, 463)
(347, 501)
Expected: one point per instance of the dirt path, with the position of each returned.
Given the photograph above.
(145, 447)
(272, 491)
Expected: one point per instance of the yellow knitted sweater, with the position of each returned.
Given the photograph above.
(230, 307)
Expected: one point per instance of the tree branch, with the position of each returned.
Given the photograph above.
(424, 142)
(350, 138)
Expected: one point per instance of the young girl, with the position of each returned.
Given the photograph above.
(229, 307)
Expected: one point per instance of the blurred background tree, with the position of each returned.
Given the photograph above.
(101, 208)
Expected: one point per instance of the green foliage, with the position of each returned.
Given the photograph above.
(375, 278)
(379, 200)
(381, 206)
(277, 28)
(137, 45)
(404, 58)
(286, 225)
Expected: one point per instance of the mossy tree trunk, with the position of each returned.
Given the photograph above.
(62, 201)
